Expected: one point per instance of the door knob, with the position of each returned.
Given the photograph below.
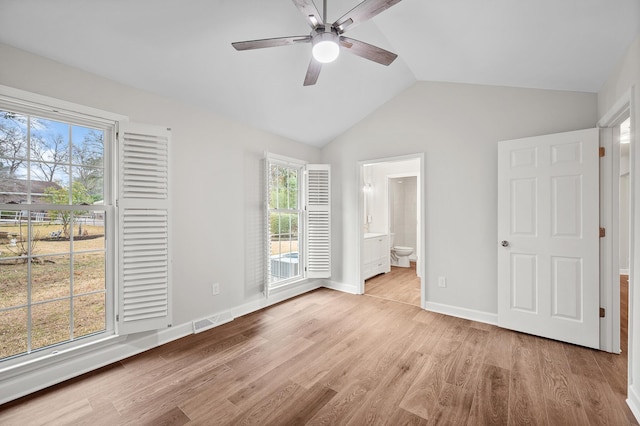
(504, 243)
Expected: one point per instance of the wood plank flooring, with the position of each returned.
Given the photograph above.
(328, 358)
(401, 285)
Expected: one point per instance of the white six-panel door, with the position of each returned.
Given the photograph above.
(548, 236)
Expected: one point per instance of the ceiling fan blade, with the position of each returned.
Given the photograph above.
(361, 13)
(312, 73)
(310, 12)
(367, 51)
(270, 42)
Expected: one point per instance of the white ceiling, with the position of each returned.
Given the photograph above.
(182, 50)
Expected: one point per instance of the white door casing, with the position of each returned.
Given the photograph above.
(548, 218)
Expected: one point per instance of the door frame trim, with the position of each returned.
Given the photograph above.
(421, 263)
(609, 219)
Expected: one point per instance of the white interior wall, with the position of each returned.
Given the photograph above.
(457, 126)
(403, 210)
(216, 198)
(378, 175)
(625, 78)
(215, 174)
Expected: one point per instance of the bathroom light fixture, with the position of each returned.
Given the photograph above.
(325, 47)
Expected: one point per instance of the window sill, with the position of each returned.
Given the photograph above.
(280, 287)
(56, 356)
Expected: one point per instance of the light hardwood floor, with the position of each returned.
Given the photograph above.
(334, 358)
(401, 285)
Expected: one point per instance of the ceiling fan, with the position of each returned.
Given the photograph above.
(327, 39)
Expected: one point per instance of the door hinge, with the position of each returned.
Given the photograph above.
(602, 151)
(603, 233)
(602, 312)
(117, 317)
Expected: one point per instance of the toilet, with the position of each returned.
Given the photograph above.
(400, 255)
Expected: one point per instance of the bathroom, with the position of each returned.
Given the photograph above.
(391, 212)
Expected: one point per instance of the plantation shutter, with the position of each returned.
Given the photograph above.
(318, 221)
(267, 246)
(144, 290)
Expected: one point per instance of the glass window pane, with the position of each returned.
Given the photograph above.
(50, 323)
(292, 189)
(87, 147)
(284, 244)
(88, 272)
(89, 231)
(13, 329)
(49, 142)
(13, 189)
(274, 174)
(14, 233)
(88, 159)
(89, 314)
(91, 181)
(47, 235)
(49, 151)
(49, 183)
(50, 278)
(13, 144)
(13, 282)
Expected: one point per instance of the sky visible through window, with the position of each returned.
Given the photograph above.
(44, 150)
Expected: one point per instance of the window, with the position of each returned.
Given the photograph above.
(298, 221)
(55, 206)
(284, 220)
(84, 215)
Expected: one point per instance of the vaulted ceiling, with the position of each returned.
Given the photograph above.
(182, 50)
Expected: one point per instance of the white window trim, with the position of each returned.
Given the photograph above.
(315, 205)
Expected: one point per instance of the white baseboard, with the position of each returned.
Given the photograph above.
(633, 401)
(470, 314)
(346, 288)
(16, 383)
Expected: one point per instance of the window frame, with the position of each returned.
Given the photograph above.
(299, 165)
(32, 104)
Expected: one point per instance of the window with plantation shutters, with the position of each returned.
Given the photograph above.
(143, 207)
(297, 219)
(318, 221)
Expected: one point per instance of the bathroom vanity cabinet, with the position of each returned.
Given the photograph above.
(376, 255)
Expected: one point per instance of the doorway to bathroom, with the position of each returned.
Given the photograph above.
(391, 217)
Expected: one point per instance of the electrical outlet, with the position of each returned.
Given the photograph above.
(215, 288)
(442, 282)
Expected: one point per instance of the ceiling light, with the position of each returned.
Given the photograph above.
(325, 48)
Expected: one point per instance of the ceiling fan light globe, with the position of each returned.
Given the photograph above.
(326, 51)
(325, 47)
